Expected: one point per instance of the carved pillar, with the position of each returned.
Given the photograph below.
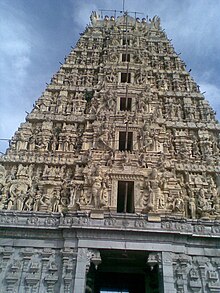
(6, 255)
(84, 258)
(13, 276)
(51, 277)
(69, 261)
(32, 278)
(46, 255)
(81, 265)
(181, 273)
(154, 258)
(168, 276)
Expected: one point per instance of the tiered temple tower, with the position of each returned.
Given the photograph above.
(115, 173)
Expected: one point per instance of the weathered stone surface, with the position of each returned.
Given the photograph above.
(121, 150)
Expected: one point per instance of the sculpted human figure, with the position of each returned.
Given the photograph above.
(201, 199)
(142, 160)
(2, 176)
(45, 203)
(154, 174)
(158, 111)
(18, 192)
(215, 147)
(22, 170)
(22, 142)
(204, 204)
(192, 207)
(3, 196)
(111, 158)
(112, 76)
(96, 188)
(178, 204)
(74, 195)
(160, 198)
(56, 201)
(11, 201)
(37, 201)
(29, 202)
(150, 201)
(104, 193)
(19, 200)
(126, 159)
(195, 149)
(216, 205)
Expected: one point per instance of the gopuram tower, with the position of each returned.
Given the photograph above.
(112, 183)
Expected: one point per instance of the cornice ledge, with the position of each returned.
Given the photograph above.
(127, 222)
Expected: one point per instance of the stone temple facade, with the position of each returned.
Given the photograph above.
(112, 183)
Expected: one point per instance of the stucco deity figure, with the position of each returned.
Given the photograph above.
(96, 189)
(45, 203)
(216, 205)
(18, 192)
(22, 170)
(160, 198)
(178, 204)
(22, 142)
(11, 202)
(111, 78)
(150, 196)
(94, 17)
(56, 201)
(192, 207)
(2, 176)
(204, 204)
(28, 205)
(76, 192)
(19, 201)
(37, 201)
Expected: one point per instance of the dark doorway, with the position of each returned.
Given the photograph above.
(125, 141)
(125, 77)
(125, 104)
(119, 282)
(125, 198)
(125, 57)
(124, 272)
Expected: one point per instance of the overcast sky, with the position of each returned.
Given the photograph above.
(36, 35)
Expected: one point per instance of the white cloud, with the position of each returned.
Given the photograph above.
(82, 11)
(15, 50)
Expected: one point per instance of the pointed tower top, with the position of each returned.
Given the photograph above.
(122, 127)
(118, 18)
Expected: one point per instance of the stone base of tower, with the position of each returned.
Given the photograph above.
(56, 253)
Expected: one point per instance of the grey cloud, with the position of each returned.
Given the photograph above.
(31, 49)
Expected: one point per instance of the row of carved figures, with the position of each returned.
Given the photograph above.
(188, 144)
(166, 108)
(161, 82)
(85, 44)
(201, 204)
(159, 193)
(193, 202)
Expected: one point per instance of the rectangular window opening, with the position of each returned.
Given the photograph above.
(125, 58)
(126, 77)
(125, 104)
(125, 141)
(125, 198)
(125, 42)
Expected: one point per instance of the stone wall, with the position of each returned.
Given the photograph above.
(53, 253)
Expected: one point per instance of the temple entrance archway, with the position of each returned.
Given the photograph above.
(124, 272)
